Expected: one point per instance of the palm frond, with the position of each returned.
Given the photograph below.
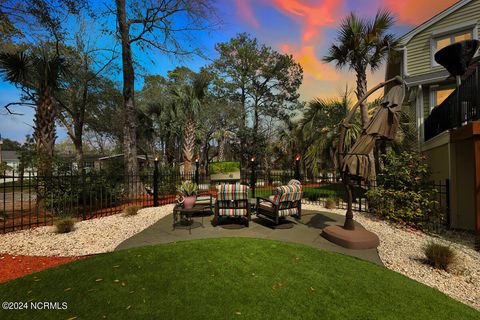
(16, 67)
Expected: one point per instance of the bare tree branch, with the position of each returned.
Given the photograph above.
(8, 105)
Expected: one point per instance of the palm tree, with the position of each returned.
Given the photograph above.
(320, 126)
(363, 43)
(38, 74)
(189, 97)
(222, 136)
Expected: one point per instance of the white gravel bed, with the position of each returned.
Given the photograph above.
(89, 237)
(401, 251)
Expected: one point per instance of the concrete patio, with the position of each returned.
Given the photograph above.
(305, 231)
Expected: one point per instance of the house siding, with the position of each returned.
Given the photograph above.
(418, 49)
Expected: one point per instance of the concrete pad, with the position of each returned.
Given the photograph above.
(305, 231)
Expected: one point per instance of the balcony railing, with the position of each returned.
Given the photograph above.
(461, 107)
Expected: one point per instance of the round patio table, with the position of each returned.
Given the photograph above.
(183, 218)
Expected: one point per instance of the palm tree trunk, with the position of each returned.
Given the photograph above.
(221, 149)
(188, 145)
(45, 132)
(130, 115)
(361, 90)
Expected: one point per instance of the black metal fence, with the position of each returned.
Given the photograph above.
(29, 201)
(462, 106)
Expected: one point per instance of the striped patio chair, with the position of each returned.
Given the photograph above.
(287, 201)
(232, 201)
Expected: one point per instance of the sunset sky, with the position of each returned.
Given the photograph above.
(303, 28)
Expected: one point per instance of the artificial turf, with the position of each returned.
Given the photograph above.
(228, 278)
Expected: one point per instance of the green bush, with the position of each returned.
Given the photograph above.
(131, 211)
(169, 178)
(404, 193)
(64, 193)
(3, 215)
(331, 203)
(439, 256)
(311, 196)
(331, 191)
(223, 167)
(64, 224)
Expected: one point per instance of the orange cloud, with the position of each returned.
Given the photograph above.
(246, 12)
(415, 12)
(313, 14)
(312, 66)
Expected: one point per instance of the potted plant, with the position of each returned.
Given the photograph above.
(188, 190)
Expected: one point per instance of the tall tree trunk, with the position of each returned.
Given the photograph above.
(256, 119)
(188, 145)
(244, 157)
(45, 131)
(221, 149)
(361, 90)
(170, 148)
(78, 143)
(130, 114)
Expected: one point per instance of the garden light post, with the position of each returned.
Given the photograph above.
(155, 183)
(297, 167)
(253, 165)
(197, 164)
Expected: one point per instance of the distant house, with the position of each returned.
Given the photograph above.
(446, 117)
(98, 163)
(12, 158)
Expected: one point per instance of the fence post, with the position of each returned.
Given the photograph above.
(297, 167)
(447, 201)
(253, 181)
(155, 183)
(197, 178)
(84, 195)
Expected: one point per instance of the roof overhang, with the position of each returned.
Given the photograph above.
(404, 40)
(428, 78)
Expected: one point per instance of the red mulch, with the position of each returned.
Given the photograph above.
(12, 267)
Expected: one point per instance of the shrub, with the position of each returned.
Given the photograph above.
(331, 203)
(63, 193)
(404, 193)
(336, 191)
(131, 211)
(440, 256)
(223, 167)
(3, 215)
(64, 224)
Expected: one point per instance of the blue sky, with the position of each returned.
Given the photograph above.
(303, 28)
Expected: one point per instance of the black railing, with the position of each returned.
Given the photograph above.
(29, 200)
(461, 107)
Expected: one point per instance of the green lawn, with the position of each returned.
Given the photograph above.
(229, 278)
(17, 186)
(320, 192)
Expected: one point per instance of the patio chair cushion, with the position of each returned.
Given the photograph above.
(288, 212)
(294, 181)
(203, 200)
(291, 193)
(233, 212)
(232, 192)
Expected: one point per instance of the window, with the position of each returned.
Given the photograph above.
(439, 94)
(448, 39)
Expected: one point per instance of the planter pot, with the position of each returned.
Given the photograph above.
(189, 202)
